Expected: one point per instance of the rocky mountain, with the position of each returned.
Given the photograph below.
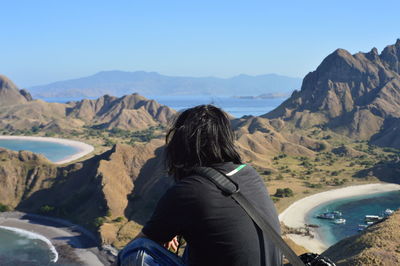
(129, 112)
(356, 95)
(120, 83)
(10, 95)
(378, 245)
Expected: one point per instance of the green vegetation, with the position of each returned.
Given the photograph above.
(4, 208)
(99, 221)
(46, 209)
(119, 219)
(283, 192)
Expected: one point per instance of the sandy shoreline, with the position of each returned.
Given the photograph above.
(294, 215)
(83, 148)
(59, 232)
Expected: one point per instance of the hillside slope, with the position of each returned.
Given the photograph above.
(378, 245)
(125, 181)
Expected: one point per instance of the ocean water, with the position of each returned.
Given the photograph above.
(235, 106)
(20, 247)
(353, 210)
(52, 151)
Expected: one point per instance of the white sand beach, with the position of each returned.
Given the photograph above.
(83, 148)
(294, 215)
(58, 232)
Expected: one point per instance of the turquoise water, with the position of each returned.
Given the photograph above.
(52, 151)
(23, 249)
(235, 106)
(353, 210)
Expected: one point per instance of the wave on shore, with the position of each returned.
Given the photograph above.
(32, 235)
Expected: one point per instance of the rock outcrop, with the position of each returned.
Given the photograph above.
(10, 95)
(356, 95)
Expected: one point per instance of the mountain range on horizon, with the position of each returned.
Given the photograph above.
(119, 83)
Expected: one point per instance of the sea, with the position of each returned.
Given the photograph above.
(21, 247)
(235, 106)
(353, 210)
(51, 150)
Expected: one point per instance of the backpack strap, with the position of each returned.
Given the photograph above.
(230, 188)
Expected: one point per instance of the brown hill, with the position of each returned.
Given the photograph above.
(130, 112)
(356, 95)
(378, 245)
(122, 182)
(9, 93)
(259, 139)
(21, 174)
(126, 112)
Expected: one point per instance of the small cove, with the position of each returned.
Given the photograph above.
(353, 210)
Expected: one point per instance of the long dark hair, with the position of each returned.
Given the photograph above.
(200, 136)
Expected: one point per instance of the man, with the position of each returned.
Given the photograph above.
(217, 230)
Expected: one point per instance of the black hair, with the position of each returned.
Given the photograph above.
(200, 136)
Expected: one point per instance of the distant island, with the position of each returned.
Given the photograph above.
(264, 96)
(119, 83)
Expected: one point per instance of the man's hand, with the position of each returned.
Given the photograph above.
(173, 244)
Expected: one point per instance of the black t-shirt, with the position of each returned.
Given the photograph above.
(216, 228)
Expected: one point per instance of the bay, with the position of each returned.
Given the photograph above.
(51, 150)
(353, 210)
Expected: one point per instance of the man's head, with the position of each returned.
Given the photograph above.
(200, 136)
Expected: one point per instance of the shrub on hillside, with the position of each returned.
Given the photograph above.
(283, 192)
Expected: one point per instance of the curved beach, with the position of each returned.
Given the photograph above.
(83, 148)
(58, 232)
(295, 214)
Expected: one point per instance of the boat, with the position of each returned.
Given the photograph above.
(362, 227)
(326, 215)
(339, 221)
(373, 218)
(330, 215)
(388, 212)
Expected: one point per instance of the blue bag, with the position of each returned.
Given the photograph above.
(145, 252)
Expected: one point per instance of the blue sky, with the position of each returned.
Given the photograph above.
(45, 41)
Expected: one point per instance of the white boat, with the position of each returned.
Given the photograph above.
(373, 218)
(339, 221)
(362, 227)
(389, 212)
